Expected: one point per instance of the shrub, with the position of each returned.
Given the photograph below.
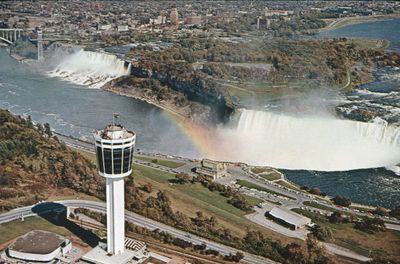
(341, 200)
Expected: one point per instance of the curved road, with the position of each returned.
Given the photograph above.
(130, 217)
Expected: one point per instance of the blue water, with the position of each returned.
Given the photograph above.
(77, 110)
(386, 29)
(371, 186)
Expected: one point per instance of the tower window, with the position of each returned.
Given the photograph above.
(127, 154)
(117, 156)
(100, 159)
(108, 160)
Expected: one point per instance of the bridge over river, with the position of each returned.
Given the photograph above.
(10, 35)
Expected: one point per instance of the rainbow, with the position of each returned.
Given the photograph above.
(203, 138)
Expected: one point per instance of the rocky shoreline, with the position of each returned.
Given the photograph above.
(166, 99)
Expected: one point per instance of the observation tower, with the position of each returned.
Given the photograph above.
(114, 151)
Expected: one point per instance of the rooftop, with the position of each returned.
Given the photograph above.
(113, 131)
(290, 216)
(37, 242)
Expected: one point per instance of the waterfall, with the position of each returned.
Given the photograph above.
(323, 143)
(88, 68)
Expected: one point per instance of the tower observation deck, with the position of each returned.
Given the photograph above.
(114, 151)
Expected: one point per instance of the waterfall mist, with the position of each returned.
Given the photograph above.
(319, 142)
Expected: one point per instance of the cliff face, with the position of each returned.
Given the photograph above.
(220, 108)
(153, 92)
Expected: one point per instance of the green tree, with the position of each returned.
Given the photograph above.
(182, 178)
(322, 233)
(341, 200)
(47, 129)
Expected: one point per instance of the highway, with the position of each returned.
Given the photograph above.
(131, 217)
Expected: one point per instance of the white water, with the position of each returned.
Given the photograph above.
(88, 68)
(322, 143)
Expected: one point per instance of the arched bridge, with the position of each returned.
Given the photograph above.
(9, 35)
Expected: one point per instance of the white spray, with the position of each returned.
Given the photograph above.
(323, 143)
(92, 69)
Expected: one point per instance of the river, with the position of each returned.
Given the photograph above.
(382, 97)
(77, 110)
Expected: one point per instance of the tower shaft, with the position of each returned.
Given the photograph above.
(115, 215)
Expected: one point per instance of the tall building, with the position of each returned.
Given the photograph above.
(114, 152)
(174, 17)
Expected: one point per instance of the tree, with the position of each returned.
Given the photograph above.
(29, 122)
(395, 212)
(316, 253)
(239, 201)
(40, 128)
(381, 211)
(47, 129)
(237, 257)
(322, 233)
(202, 246)
(370, 225)
(315, 191)
(182, 178)
(341, 200)
(148, 187)
(336, 217)
(294, 253)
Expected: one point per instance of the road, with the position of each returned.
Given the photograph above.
(130, 217)
(335, 249)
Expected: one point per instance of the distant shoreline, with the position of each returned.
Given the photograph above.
(347, 21)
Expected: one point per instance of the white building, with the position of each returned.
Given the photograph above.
(212, 169)
(105, 27)
(38, 245)
(270, 13)
(122, 28)
(288, 218)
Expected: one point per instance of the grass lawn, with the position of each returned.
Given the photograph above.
(17, 228)
(258, 170)
(166, 163)
(156, 175)
(270, 176)
(253, 200)
(80, 196)
(287, 185)
(380, 243)
(273, 202)
(323, 207)
(191, 198)
(258, 187)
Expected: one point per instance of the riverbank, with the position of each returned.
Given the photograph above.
(140, 97)
(160, 96)
(346, 21)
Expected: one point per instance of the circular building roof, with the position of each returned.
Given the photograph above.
(37, 242)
